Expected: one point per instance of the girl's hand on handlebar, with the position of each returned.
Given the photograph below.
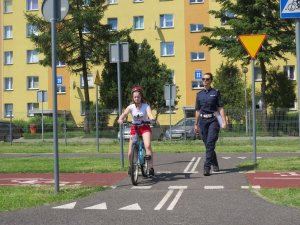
(153, 121)
(120, 121)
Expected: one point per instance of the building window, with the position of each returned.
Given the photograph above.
(196, 27)
(290, 72)
(86, 3)
(61, 89)
(32, 5)
(112, 1)
(82, 108)
(167, 49)
(257, 73)
(197, 84)
(85, 29)
(258, 103)
(228, 15)
(60, 63)
(293, 106)
(31, 30)
(138, 22)
(32, 56)
(166, 21)
(31, 107)
(7, 6)
(90, 80)
(196, 1)
(197, 56)
(138, 0)
(8, 32)
(8, 58)
(113, 22)
(8, 83)
(32, 82)
(8, 110)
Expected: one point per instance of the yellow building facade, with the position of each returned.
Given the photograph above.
(172, 28)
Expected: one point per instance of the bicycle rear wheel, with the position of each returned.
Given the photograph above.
(134, 174)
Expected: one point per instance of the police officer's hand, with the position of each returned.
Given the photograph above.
(196, 129)
(224, 124)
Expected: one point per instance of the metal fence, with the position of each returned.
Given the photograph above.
(279, 122)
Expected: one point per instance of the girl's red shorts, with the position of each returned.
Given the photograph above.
(141, 129)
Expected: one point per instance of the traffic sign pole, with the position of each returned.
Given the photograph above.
(298, 69)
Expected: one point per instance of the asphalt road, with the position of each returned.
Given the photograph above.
(178, 194)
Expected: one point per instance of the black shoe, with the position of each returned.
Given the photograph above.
(216, 169)
(129, 170)
(206, 172)
(151, 172)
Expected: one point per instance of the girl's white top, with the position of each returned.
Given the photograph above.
(140, 114)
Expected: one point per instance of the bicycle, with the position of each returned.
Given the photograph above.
(139, 159)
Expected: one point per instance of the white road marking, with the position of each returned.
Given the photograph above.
(66, 206)
(162, 172)
(141, 187)
(226, 157)
(217, 187)
(135, 206)
(168, 195)
(242, 157)
(99, 206)
(186, 170)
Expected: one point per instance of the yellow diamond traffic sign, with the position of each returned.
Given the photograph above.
(252, 42)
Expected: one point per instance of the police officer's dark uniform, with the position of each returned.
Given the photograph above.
(208, 102)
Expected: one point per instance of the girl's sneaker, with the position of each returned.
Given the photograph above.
(151, 172)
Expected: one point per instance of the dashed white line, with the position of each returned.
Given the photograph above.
(141, 187)
(217, 187)
(164, 200)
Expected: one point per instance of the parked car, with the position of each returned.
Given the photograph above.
(183, 129)
(5, 131)
(157, 132)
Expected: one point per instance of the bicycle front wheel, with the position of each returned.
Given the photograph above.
(134, 174)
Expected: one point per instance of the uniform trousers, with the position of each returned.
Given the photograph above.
(210, 128)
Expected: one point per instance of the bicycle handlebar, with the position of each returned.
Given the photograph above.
(143, 122)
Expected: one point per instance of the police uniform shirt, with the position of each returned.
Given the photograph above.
(208, 101)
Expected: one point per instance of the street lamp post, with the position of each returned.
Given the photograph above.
(245, 71)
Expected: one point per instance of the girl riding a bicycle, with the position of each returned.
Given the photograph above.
(139, 110)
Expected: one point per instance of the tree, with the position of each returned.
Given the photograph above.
(280, 89)
(82, 41)
(142, 69)
(251, 17)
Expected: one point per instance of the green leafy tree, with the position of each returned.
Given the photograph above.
(280, 89)
(251, 17)
(143, 69)
(82, 41)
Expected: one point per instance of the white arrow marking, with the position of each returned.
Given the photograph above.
(131, 207)
(99, 206)
(66, 206)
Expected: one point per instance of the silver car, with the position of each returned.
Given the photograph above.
(157, 132)
(183, 129)
(16, 132)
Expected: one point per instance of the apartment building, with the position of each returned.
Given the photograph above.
(171, 27)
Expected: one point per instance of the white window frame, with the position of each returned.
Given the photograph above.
(31, 30)
(290, 71)
(32, 82)
(293, 108)
(8, 58)
(8, 107)
(138, 1)
(61, 89)
(164, 51)
(196, 56)
(30, 5)
(196, 27)
(82, 108)
(31, 107)
(109, 20)
(228, 14)
(85, 29)
(166, 21)
(8, 32)
(196, 1)
(138, 22)
(8, 83)
(7, 7)
(111, 2)
(197, 84)
(86, 3)
(32, 56)
(258, 103)
(90, 81)
(60, 63)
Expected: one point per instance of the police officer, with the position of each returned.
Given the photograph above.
(208, 102)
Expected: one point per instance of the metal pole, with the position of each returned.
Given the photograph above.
(298, 65)
(10, 127)
(170, 88)
(54, 93)
(97, 125)
(120, 104)
(43, 116)
(65, 126)
(246, 110)
(253, 114)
